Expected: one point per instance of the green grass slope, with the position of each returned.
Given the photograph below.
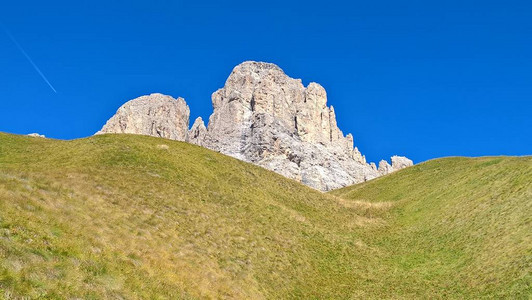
(134, 217)
(457, 227)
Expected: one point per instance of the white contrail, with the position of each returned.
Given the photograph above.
(30, 60)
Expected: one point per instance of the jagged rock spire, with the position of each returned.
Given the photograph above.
(262, 116)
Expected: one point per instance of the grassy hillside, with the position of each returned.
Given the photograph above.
(456, 227)
(121, 216)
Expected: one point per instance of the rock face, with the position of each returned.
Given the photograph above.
(197, 133)
(400, 162)
(265, 117)
(262, 116)
(156, 115)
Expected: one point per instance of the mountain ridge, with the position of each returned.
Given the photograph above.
(263, 116)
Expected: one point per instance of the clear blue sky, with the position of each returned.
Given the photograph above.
(423, 79)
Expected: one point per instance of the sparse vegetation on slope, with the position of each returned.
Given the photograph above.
(122, 216)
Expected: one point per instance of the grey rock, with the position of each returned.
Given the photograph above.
(265, 117)
(155, 115)
(197, 133)
(384, 168)
(401, 162)
(398, 163)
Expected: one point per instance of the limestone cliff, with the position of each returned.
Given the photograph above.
(262, 116)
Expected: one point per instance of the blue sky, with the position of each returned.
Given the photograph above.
(423, 79)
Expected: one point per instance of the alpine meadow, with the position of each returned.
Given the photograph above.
(274, 149)
(127, 216)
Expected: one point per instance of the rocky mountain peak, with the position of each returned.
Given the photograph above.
(263, 116)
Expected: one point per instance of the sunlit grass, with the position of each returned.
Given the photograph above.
(122, 216)
(460, 227)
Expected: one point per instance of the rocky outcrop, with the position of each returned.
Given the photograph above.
(155, 115)
(265, 117)
(197, 133)
(400, 162)
(262, 116)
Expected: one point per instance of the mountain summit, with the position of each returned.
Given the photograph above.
(262, 116)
